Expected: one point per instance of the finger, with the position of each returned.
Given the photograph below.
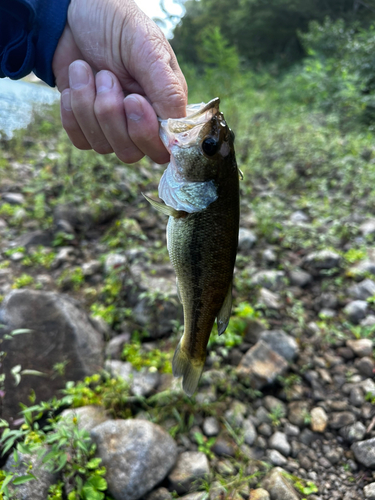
(154, 66)
(82, 86)
(70, 123)
(143, 128)
(110, 113)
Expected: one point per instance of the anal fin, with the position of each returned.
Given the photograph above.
(225, 311)
(178, 291)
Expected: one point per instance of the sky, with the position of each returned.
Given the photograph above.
(152, 9)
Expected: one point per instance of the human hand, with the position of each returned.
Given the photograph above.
(110, 50)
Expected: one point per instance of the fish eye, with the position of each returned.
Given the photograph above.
(210, 146)
(232, 134)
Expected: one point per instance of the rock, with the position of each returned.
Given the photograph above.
(13, 198)
(297, 412)
(261, 365)
(223, 448)
(249, 432)
(319, 419)
(88, 416)
(159, 494)
(365, 366)
(190, 466)
(120, 369)
(35, 238)
(270, 279)
(300, 278)
(369, 491)
(114, 261)
(137, 454)
(278, 486)
(356, 310)
(115, 346)
(280, 342)
(341, 419)
(155, 304)
(279, 441)
(364, 452)
(32, 490)
(367, 228)
(246, 240)
(356, 397)
(361, 347)
(211, 426)
(269, 256)
(362, 268)
(269, 299)
(236, 413)
(144, 382)
(276, 458)
(259, 494)
(353, 433)
(322, 259)
(61, 334)
(274, 404)
(362, 290)
(298, 216)
(91, 267)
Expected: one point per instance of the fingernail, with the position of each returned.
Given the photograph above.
(134, 109)
(78, 75)
(65, 100)
(104, 81)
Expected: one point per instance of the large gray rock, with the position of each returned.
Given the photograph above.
(34, 489)
(280, 342)
(87, 417)
(137, 454)
(364, 452)
(61, 333)
(190, 467)
(261, 365)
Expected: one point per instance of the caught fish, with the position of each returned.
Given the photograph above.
(200, 191)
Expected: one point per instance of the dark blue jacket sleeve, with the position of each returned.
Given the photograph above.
(29, 33)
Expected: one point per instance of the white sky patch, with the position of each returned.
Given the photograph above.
(153, 9)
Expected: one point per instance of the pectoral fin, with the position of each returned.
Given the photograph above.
(163, 208)
(224, 313)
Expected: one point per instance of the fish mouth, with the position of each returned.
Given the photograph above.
(183, 132)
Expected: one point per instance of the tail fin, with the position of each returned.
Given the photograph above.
(189, 369)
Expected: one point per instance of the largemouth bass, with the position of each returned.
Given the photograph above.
(200, 190)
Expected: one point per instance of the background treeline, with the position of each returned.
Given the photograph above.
(262, 31)
(317, 53)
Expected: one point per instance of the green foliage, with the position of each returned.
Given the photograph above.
(339, 74)
(102, 390)
(303, 486)
(71, 278)
(205, 444)
(22, 281)
(40, 257)
(155, 359)
(236, 328)
(123, 233)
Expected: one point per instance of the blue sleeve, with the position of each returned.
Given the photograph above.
(29, 33)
